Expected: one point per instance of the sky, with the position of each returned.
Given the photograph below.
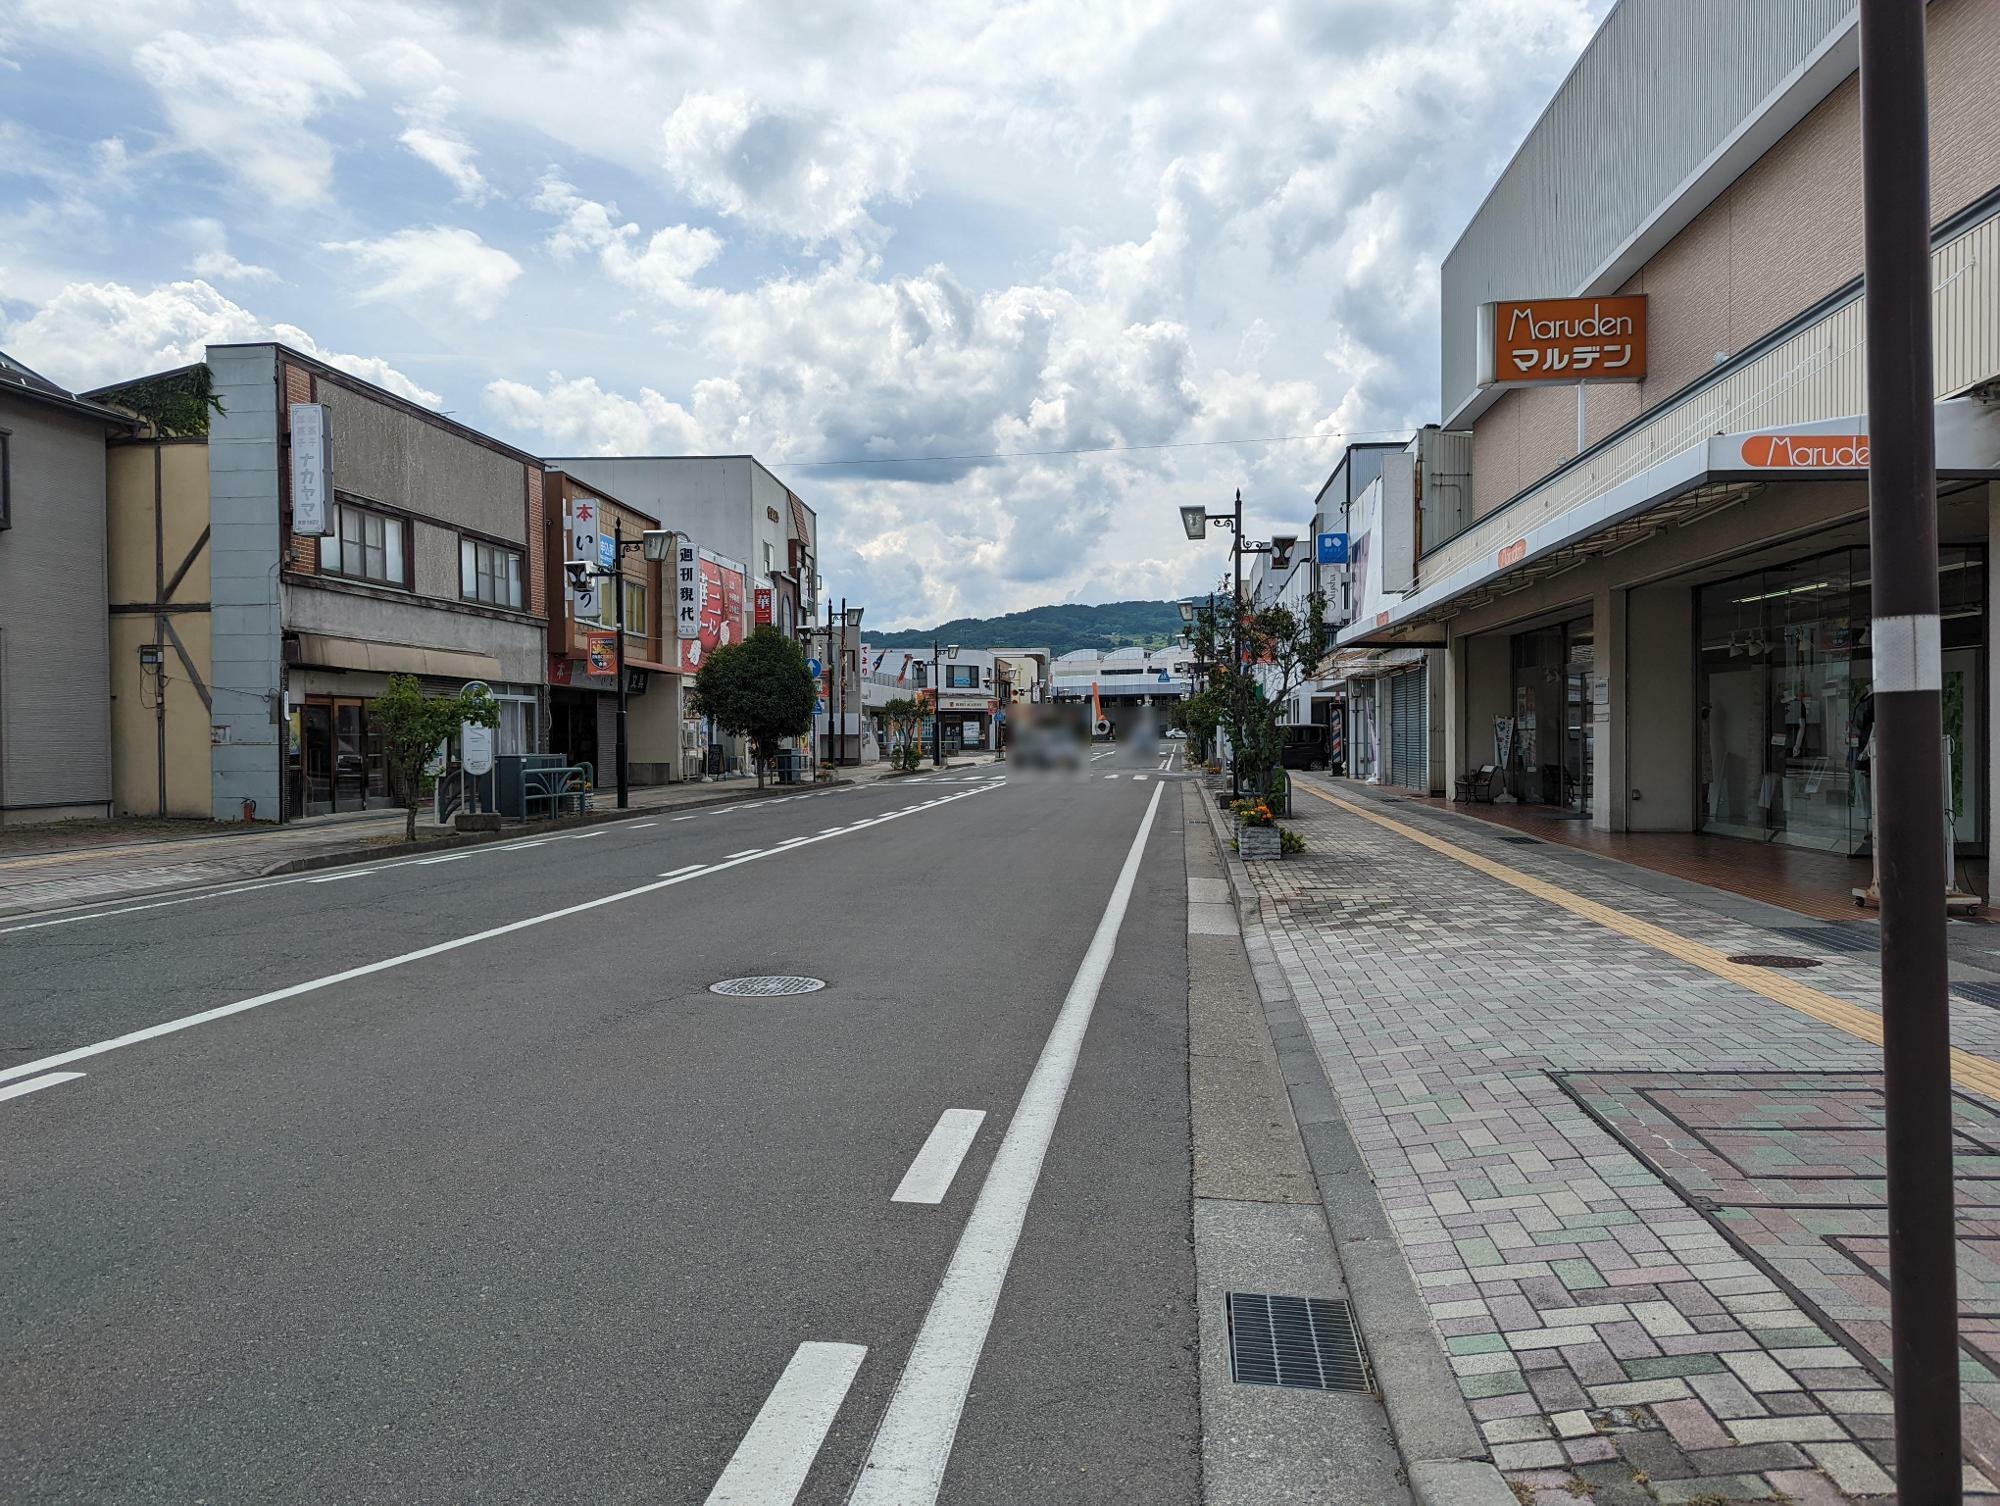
(884, 234)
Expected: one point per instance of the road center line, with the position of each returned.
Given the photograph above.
(929, 1176)
(906, 1463)
(438, 949)
(771, 1463)
(682, 872)
(36, 1084)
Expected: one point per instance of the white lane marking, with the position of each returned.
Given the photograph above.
(771, 1463)
(334, 878)
(450, 857)
(314, 985)
(524, 846)
(578, 836)
(906, 1463)
(686, 818)
(643, 825)
(1138, 778)
(748, 852)
(1110, 776)
(929, 1176)
(680, 872)
(825, 829)
(36, 1084)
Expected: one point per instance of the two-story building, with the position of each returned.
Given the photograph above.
(271, 575)
(1654, 611)
(55, 731)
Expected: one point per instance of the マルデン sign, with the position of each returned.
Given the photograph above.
(1562, 340)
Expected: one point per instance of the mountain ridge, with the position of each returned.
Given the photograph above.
(1062, 627)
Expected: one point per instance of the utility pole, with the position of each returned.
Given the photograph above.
(1907, 772)
(1236, 652)
(840, 672)
(618, 591)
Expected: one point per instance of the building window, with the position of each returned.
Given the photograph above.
(961, 676)
(489, 573)
(366, 545)
(635, 606)
(767, 558)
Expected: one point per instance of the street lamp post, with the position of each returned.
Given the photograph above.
(937, 702)
(1195, 519)
(656, 544)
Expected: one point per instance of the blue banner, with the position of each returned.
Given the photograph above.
(1333, 549)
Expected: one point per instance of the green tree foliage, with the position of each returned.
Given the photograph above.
(1061, 629)
(176, 403)
(905, 717)
(415, 725)
(1280, 649)
(757, 689)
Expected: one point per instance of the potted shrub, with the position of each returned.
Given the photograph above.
(1257, 831)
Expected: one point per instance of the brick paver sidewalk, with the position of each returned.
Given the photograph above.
(49, 868)
(1642, 1200)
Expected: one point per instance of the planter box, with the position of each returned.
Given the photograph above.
(477, 821)
(1255, 843)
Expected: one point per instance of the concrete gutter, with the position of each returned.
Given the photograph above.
(1444, 1454)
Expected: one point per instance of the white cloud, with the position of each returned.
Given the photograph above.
(213, 261)
(798, 173)
(91, 334)
(435, 263)
(576, 416)
(663, 268)
(245, 102)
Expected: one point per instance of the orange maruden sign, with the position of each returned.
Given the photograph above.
(1562, 340)
(1806, 452)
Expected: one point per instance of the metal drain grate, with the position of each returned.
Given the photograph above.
(1979, 993)
(1773, 959)
(766, 988)
(1833, 938)
(1304, 1342)
(1524, 841)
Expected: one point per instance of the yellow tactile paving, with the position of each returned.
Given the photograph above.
(1977, 1073)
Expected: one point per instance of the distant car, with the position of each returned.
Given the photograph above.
(1306, 745)
(1175, 734)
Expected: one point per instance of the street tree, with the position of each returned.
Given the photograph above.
(758, 689)
(1259, 656)
(905, 718)
(414, 726)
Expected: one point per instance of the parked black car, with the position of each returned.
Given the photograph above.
(1306, 746)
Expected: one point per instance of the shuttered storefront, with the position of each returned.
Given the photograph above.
(1409, 737)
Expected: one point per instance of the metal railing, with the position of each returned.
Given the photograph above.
(564, 791)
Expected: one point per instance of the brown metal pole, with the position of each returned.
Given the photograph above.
(1906, 769)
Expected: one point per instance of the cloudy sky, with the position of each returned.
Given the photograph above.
(815, 232)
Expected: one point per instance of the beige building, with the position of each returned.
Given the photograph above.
(1649, 600)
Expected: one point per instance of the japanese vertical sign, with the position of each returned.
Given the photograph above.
(717, 596)
(583, 546)
(687, 590)
(1562, 340)
(310, 512)
(764, 608)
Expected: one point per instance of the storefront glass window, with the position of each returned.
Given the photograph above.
(1785, 735)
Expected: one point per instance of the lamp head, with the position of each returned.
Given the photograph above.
(1195, 521)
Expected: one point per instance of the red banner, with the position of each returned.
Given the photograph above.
(764, 606)
(721, 612)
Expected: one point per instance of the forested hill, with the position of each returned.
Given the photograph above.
(1117, 624)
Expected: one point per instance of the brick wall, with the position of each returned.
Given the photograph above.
(301, 553)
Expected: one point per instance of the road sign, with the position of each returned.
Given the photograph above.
(813, 668)
(1333, 549)
(607, 552)
(819, 706)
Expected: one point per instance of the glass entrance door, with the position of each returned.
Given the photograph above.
(316, 752)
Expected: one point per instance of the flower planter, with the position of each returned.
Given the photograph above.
(1258, 842)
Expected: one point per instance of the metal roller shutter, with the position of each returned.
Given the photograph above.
(1409, 755)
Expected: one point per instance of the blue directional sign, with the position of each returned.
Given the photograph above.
(813, 667)
(607, 552)
(1333, 549)
(819, 706)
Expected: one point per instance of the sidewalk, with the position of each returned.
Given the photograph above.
(47, 868)
(1636, 1177)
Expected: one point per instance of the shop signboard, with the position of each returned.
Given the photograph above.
(719, 604)
(310, 480)
(687, 590)
(583, 536)
(600, 652)
(764, 606)
(1528, 341)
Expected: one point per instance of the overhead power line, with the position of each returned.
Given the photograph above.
(1101, 449)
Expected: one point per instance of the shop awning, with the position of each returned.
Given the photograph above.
(1684, 488)
(1367, 663)
(329, 652)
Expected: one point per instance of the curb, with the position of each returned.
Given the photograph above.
(1444, 1453)
(526, 831)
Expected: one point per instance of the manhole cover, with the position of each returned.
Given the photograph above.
(766, 988)
(1773, 959)
(1523, 841)
(1304, 1342)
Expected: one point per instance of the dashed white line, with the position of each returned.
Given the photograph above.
(643, 825)
(770, 1465)
(1110, 776)
(929, 1176)
(682, 872)
(36, 1084)
(685, 818)
(1138, 778)
(748, 852)
(906, 1462)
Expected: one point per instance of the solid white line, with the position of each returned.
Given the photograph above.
(334, 878)
(450, 857)
(747, 852)
(771, 1463)
(524, 846)
(906, 1464)
(929, 1176)
(680, 872)
(643, 825)
(313, 985)
(36, 1084)
(579, 836)
(825, 829)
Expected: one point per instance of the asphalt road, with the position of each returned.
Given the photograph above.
(451, 1181)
